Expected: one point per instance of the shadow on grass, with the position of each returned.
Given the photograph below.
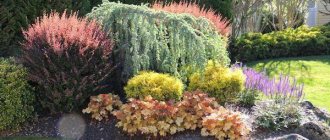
(288, 65)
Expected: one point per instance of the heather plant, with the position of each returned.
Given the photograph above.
(16, 95)
(220, 82)
(101, 106)
(220, 23)
(148, 39)
(276, 116)
(159, 86)
(67, 58)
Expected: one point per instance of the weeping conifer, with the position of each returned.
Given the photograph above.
(160, 41)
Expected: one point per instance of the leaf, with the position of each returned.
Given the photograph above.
(178, 121)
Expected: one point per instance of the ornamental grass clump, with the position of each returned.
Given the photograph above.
(67, 58)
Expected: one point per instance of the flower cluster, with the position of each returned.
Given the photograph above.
(100, 106)
(224, 124)
(278, 89)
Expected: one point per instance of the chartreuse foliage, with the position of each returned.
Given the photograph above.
(16, 96)
(159, 86)
(156, 40)
(220, 82)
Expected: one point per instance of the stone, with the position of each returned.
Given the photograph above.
(307, 105)
(291, 137)
(314, 131)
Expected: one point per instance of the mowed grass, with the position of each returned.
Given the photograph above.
(313, 71)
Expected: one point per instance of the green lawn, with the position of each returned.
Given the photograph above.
(313, 71)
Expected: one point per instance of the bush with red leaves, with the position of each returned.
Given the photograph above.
(67, 58)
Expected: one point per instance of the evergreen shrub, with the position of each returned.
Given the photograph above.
(16, 95)
(147, 39)
(159, 86)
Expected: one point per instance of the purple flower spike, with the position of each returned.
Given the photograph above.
(282, 88)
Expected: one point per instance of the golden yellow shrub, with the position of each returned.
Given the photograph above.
(159, 86)
(220, 82)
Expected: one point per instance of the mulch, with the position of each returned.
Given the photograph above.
(80, 126)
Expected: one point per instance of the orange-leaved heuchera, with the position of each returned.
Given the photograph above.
(101, 105)
(223, 124)
(193, 107)
(195, 110)
(147, 116)
(67, 58)
(220, 23)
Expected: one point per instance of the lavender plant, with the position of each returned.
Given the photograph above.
(281, 90)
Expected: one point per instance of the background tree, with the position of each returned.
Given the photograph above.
(246, 16)
(326, 4)
(286, 14)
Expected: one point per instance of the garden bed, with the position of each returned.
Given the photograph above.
(72, 125)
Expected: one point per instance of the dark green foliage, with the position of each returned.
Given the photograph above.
(16, 96)
(248, 98)
(154, 40)
(14, 15)
(302, 41)
(82, 6)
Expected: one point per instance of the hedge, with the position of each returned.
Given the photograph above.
(303, 41)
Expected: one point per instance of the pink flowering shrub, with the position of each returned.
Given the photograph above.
(67, 58)
(220, 23)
